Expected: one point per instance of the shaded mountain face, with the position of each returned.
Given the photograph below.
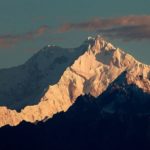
(117, 119)
(25, 85)
(97, 66)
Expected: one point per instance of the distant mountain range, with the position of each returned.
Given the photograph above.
(53, 79)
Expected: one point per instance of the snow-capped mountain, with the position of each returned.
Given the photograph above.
(97, 64)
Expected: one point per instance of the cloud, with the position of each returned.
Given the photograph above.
(128, 33)
(126, 27)
(9, 40)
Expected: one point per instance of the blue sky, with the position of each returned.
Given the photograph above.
(28, 25)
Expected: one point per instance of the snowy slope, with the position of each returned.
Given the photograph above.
(24, 85)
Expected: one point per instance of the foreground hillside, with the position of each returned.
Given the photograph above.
(119, 119)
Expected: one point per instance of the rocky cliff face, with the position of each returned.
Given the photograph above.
(92, 72)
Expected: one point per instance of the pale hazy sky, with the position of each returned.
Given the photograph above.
(28, 25)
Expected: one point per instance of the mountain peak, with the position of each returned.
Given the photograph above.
(66, 74)
(98, 44)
